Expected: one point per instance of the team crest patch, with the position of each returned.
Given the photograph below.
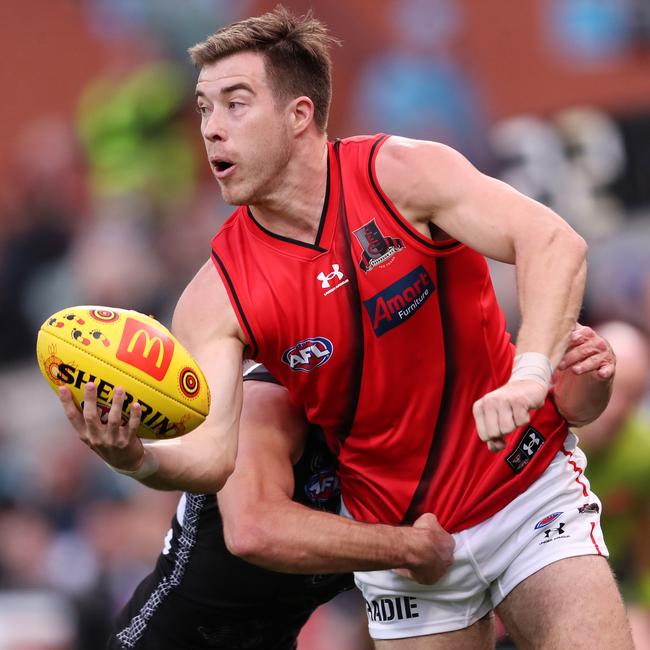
(377, 249)
(399, 301)
(308, 354)
(549, 519)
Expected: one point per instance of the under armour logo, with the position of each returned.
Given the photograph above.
(558, 531)
(326, 279)
(530, 447)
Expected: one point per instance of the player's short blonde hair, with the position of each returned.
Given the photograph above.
(296, 52)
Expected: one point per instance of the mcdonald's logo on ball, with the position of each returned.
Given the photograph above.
(145, 348)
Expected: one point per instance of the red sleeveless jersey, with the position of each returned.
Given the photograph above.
(386, 338)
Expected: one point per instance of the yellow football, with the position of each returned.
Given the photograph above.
(119, 347)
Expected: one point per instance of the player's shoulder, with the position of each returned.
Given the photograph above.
(405, 154)
(418, 175)
(359, 140)
(204, 306)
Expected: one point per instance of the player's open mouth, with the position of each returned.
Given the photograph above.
(222, 167)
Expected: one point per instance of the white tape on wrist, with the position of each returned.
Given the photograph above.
(148, 467)
(534, 366)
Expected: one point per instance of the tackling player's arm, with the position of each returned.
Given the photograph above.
(202, 460)
(582, 383)
(263, 525)
(431, 184)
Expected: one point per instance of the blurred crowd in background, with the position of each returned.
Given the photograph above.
(105, 200)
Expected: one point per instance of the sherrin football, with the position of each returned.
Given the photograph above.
(119, 347)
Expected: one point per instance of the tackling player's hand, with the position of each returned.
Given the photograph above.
(431, 548)
(588, 352)
(115, 443)
(506, 408)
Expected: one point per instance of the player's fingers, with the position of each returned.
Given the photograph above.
(479, 418)
(573, 356)
(505, 417)
(496, 444)
(90, 414)
(134, 419)
(520, 414)
(115, 413)
(606, 371)
(491, 418)
(595, 360)
(494, 438)
(580, 337)
(71, 411)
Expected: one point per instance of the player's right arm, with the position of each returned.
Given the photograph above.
(202, 460)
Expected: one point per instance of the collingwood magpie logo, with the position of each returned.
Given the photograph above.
(332, 281)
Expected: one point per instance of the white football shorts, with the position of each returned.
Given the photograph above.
(557, 517)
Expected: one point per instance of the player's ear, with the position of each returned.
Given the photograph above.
(301, 114)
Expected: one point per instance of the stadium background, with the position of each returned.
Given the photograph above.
(105, 199)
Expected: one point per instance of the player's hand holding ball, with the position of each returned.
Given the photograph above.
(121, 376)
(118, 444)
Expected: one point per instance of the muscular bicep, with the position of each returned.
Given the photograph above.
(431, 183)
(206, 325)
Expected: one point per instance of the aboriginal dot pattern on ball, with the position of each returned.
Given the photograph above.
(189, 382)
(104, 315)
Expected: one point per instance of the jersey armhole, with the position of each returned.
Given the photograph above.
(237, 306)
(258, 372)
(438, 247)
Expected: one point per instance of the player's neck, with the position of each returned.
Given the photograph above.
(293, 208)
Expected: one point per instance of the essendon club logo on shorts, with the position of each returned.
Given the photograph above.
(145, 348)
(548, 520)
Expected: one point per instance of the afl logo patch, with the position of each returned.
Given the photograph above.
(547, 520)
(308, 354)
(322, 487)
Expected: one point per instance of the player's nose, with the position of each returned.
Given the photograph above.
(213, 130)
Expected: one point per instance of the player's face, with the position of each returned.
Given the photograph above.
(244, 128)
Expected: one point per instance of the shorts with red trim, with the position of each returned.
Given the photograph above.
(557, 517)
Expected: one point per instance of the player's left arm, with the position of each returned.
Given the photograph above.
(431, 183)
(263, 525)
(201, 460)
(582, 383)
